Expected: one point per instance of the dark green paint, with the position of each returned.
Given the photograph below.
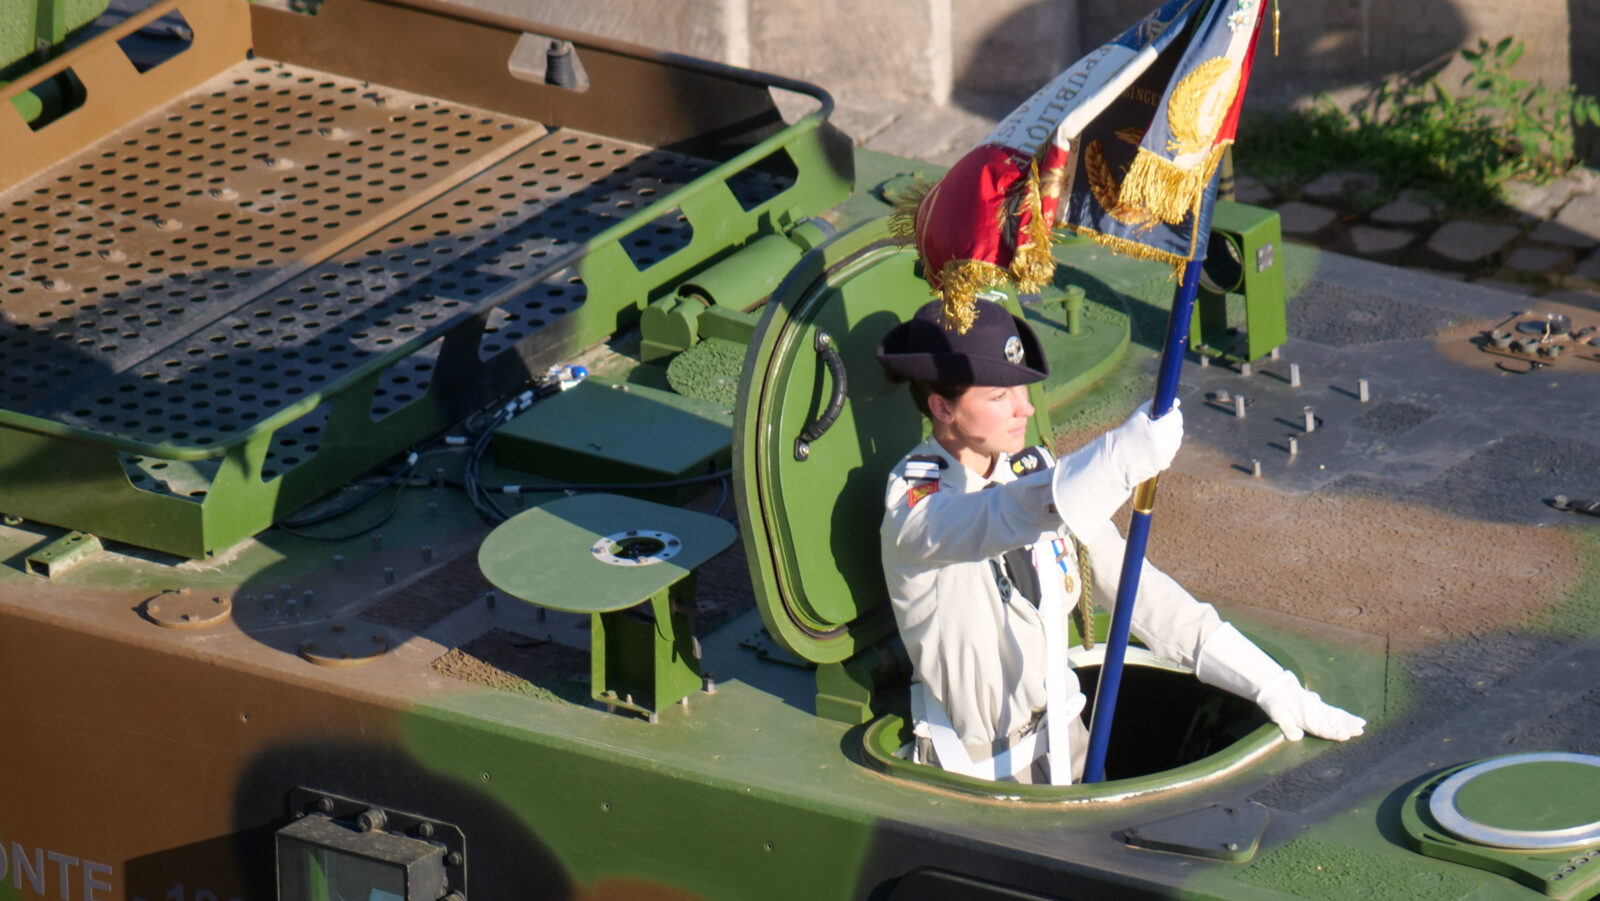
(607, 431)
(1530, 796)
(1249, 241)
(1533, 796)
(551, 556)
(240, 499)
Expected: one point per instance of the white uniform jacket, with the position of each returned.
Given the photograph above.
(982, 655)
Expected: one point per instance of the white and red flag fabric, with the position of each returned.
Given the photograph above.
(1149, 114)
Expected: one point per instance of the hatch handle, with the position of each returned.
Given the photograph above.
(830, 358)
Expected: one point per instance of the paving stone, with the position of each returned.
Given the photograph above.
(1538, 260)
(1587, 179)
(1305, 220)
(927, 132)
(1252, 191)
(1541, 201)
(1419, 196)
(1589, 268)
(1553, 232)
(1382, 244)
(1588, 300)
(1335, 185)
(1463, 242)
(1402, 212)
(862, 118)
(1502, 285)
(1582, 216)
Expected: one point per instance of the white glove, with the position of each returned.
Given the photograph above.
(1143, 446)
(1233, 663)
(1297, 711)
(1093, 481)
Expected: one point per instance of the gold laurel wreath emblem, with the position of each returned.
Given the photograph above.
(1107, 190)
(1198, 103)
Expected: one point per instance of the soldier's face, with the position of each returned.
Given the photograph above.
(984, 420)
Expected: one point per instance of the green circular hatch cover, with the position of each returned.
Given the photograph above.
(1529, 802)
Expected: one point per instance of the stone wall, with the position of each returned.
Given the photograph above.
(933, 50)
(1337, 46)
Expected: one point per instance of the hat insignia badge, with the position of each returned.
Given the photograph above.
(1014, 353)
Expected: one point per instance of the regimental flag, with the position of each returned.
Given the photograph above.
(1145, 178)
(1171, 84)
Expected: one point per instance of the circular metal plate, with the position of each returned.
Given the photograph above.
(1524, 802)
(338, 645)
(636, 547)
(547, 555)
(186, 610)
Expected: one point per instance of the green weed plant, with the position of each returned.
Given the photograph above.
(1463, 148)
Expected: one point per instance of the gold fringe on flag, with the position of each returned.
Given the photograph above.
(903, 209)
(1128, 247)
(1033, 266)
(960, 282)
(1166, 190)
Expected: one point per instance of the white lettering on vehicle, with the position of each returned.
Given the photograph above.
(34, 865)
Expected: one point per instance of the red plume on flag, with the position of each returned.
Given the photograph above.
(985, 223)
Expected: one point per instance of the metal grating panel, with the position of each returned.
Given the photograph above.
(276, 280)
(185, 217)
(180, 327)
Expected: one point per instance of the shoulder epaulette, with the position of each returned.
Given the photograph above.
(922, 467)
(1032, 460)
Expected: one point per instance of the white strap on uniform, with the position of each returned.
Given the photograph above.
(1062, 698)
(953, 756)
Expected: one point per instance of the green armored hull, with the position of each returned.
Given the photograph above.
(315, 588)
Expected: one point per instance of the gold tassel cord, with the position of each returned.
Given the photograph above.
(1085, 609)
(959, 284)
(1277, 17)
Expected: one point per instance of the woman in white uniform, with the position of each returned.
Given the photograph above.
(982, 539)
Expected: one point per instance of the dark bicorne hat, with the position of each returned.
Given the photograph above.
(999, 349)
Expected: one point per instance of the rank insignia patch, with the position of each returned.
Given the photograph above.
(1031, 460)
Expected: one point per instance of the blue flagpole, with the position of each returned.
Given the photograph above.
(1105, 699)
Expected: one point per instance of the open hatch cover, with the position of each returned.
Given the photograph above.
(812, 504)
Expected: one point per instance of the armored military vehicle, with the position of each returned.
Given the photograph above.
(442, 458)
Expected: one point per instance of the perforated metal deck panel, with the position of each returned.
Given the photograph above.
(171, 289)
(226, 269)
(163, 232)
